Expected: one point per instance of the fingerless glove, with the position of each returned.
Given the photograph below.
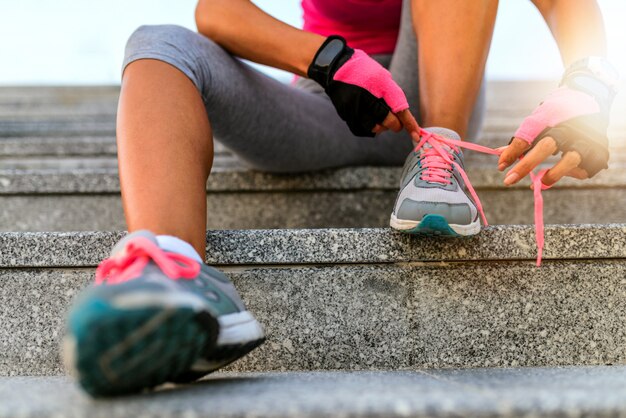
(361, 89)
(576, 116)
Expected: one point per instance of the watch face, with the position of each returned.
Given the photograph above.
(328, 54)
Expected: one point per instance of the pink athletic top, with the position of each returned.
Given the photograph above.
(370, 25)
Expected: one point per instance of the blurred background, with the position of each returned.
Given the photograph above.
(81, 41)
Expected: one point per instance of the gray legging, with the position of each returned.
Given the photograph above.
(276, 127)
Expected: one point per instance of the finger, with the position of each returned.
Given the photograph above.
(540, 152)
(378, 129)
(512, 152)
(408, 121)
(578, 173)
(566, 164)
(392, 122)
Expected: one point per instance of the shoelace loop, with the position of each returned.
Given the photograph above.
(439, 164)
(437, 168)
(137, 254)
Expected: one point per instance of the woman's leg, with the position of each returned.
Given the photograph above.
(447, 104)
(271, 126)
(165, 152)
(454, 39)
(448, 69)
(175, 81)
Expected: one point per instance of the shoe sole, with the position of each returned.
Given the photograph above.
(434, 225)
(240, 333)
(119, 351)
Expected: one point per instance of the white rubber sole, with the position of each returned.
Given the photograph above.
(239, 328)
(408, 225)
(239, 333)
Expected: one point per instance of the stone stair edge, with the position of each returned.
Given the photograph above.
(330, 246)
(224, 179)
(507, 392)
(81, 144)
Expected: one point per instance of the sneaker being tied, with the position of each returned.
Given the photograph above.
(436, 196)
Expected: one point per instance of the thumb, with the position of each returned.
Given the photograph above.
(408, 121)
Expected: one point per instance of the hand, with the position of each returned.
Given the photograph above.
(570, 121)
(567, 166)
(362, 91)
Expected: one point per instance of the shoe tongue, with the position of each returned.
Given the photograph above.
(446, 133)
(441, 144)
(119, 247)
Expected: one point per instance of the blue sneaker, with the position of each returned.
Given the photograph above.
(154, 317)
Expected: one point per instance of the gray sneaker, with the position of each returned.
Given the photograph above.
(433, 198)
(154, 317)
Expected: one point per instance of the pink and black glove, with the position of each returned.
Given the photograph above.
(361, 89)
(576, 115)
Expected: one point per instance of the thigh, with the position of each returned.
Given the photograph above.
(270, 125)
(279, 128)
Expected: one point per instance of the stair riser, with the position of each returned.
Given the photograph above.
(315, 209)
(376, 316)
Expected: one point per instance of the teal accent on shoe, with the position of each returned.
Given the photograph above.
(121, 351)
(433, 225)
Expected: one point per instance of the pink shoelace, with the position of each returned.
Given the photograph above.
(137, 255)
(438, 166)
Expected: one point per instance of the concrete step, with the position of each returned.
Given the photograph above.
(58, 172)
(549, 392)
(76, 111)
(57, 146)
(72, 197)
(102, 100)
(74, 147)
(502, 96)
(362, 299)
(102, 125)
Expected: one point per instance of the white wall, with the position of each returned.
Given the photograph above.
(81, 41)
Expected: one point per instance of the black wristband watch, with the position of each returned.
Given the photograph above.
(331, 55)
(356, 105)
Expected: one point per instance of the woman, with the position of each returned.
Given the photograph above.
(158, 313)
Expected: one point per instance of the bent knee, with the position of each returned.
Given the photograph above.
(159, 40)
(180, 47)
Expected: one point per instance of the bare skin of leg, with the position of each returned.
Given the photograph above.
(165, 152)
(454, 38)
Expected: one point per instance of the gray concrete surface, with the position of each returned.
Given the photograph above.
(373, 317)
(237, 178)
(78, 198)
(330, 246)
(58, 172)
(306, 209)
(362, 299)
(105, 145)
(563, 392)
